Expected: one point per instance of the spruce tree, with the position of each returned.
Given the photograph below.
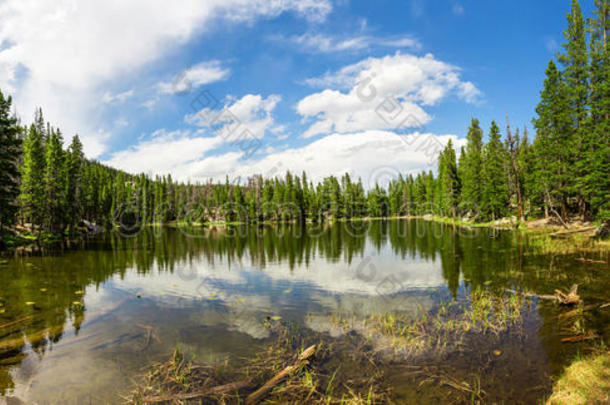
(55, 187)
(495, 187)
(10, 152)
(595, 163)
(32, 192)
(74, 170)
(448, 181)
(575, 61)
(472, 169)
(515, 170)
(553, 144)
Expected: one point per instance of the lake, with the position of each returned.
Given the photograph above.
(79, 323)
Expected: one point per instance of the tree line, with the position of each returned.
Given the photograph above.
(564, 172)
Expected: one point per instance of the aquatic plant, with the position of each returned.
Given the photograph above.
(446, 327)
(289, 370)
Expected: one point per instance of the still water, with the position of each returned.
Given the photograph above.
(79, 323)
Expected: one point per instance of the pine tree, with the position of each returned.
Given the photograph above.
(74, 169)
(10, 152)
(575, 62)
(515, 170)
(576, 68)
(471, 168)
(55, 187)
(32, 192)
(448, 181)
(495, 187)
(595, 163)
(553, 144)
(40, 125)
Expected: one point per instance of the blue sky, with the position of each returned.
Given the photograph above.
(308, 81)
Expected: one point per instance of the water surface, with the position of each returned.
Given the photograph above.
(85, 320)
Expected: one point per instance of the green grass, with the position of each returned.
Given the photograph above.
(446, 327)
(585, 381)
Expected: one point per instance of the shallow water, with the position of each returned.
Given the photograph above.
(85, 320)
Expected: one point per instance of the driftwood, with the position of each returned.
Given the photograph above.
(221, 389)
(570, 298)
(260, 393)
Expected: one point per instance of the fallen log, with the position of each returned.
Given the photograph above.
(571, 298)
(221, 389)
(260, 393)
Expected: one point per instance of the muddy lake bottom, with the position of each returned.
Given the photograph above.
(84, 323)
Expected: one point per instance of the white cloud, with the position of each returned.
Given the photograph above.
(248, 10)
(195, 76)
(374, 156)
(382, 93)
(164, 152)
(61, 54)
(370, 155)
(252, 112)
(309, 42)
(109, 98)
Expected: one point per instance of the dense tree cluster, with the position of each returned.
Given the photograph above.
(563, 172)
(571, 152)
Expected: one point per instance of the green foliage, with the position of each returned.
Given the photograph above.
(594, 166)
(448, 182)
(471, 165)
(495, 195)
(32, 178)
(554, 142)
(74, 174)
(10, 152)
(55, 183)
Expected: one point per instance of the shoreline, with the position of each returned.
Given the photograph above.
(576, 230)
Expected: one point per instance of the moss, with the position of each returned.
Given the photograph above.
(586, 381)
